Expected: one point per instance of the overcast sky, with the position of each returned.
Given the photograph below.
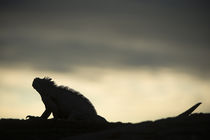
(77, 36)
(58, 35)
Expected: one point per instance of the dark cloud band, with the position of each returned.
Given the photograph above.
(57, 35)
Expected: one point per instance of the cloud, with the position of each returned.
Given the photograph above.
(60, 36)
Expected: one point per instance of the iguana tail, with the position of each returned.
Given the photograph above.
(189, 111)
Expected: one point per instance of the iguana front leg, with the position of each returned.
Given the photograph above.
(46, 114)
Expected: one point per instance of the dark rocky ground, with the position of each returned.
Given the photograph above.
(192, 127)
(185, 126)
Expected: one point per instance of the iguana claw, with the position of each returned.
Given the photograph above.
(29, 117)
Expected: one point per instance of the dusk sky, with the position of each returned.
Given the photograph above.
(135, 60)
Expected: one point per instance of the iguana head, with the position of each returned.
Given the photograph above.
(42, 85)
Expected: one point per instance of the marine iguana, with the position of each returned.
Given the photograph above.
(64, 103)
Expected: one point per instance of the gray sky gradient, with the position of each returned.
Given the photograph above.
(61, 35)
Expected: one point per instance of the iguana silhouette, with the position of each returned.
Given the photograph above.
(64, 102)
